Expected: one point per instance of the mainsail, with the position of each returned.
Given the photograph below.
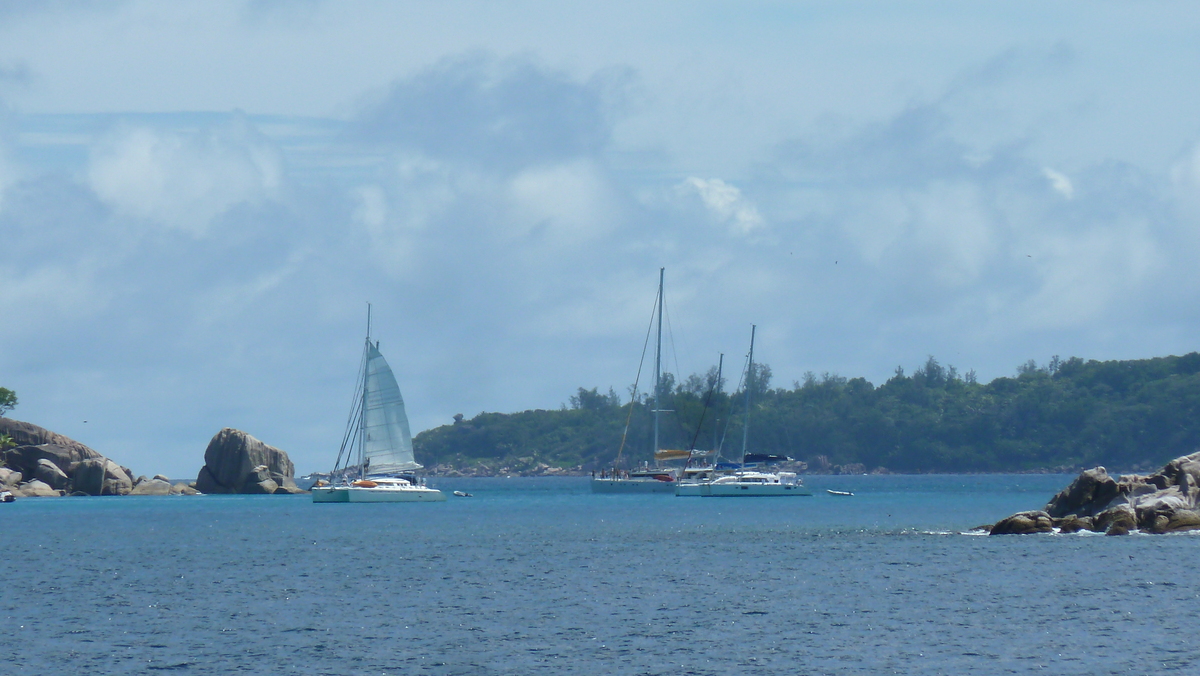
(387, 442)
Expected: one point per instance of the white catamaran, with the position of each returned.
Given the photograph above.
(378, 438)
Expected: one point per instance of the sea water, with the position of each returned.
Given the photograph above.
(540, 576)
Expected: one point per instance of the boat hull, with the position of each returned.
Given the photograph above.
(692, 490)
(709, 489)
(330, 494)
(377, 494)
(735, 490)
(632, 486)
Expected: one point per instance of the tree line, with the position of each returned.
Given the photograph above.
(1064, 414)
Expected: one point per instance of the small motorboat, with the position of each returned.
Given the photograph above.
(462, 494)
(7, 496)
(838, 492)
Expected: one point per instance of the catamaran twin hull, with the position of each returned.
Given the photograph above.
(647, 485)
(377, 494)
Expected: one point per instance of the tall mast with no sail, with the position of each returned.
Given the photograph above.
(749, 377)
(717, 387)
(658, 359)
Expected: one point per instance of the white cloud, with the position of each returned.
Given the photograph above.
(372, 210)
(1083, 277)
(569, 203)
(9, 170)
(500, 114)
(726, 203)
(1059, 182)
(53, 294)
(182, 179)
(1185, 178)
(943, 230)
(8, 174)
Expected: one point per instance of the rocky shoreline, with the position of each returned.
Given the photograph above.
(45, 464)
(1167, 501)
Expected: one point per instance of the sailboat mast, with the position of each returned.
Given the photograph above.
(716, 421)
(658, 359)
(749, 377)
(362, 425)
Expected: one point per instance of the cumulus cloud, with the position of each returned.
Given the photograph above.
(182, 179)
(983, 242)
(568, 203)
(725, 203)
(8, 173)
(1059, 182)
(1185, 180)
(495, 160)
(501, 114)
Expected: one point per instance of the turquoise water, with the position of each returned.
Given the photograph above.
(541, 576)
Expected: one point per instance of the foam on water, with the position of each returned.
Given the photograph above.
(541, 576)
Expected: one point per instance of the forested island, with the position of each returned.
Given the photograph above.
(1060, 416)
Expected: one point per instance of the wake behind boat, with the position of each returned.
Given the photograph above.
(378, 437)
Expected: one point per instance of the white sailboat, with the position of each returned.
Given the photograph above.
(744, 480)
(645, 479)
(378, 437)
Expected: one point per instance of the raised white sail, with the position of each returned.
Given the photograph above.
(387, 442)
(378, 429)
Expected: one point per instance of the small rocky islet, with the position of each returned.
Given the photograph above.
(1167, 501)
(47, 464)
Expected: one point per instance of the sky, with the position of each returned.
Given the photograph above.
(199, 199)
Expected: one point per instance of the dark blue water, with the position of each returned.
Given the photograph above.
(540, 576)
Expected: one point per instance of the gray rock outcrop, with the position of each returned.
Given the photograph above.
(236, 462)
(9, 477)
(152, 487)
(37, 489)
(101, 476)
(60, 463)
(1074, 524)
(184, 489)
(1164, 502)
(28, 434)
(1023, 523)
(65, 457)
(47, 472)
(1091, 493)
(1116, 520)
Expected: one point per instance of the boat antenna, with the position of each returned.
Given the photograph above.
(749, 379)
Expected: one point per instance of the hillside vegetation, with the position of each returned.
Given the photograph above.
(1065, 414)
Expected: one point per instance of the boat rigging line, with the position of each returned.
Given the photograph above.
(638, 379)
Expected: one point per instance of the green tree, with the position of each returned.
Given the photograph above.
(8, 400)
(1070, 413)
